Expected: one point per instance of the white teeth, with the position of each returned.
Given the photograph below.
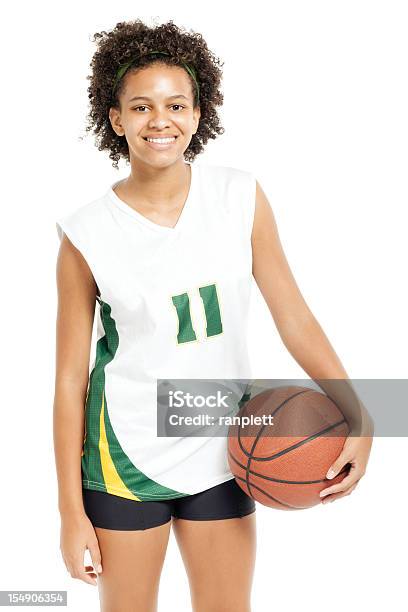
(161, 140)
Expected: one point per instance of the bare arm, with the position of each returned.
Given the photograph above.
(307, 342)
(300, 331)
(76, 307)
(295, 322)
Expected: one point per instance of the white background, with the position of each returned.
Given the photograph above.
(316, 106)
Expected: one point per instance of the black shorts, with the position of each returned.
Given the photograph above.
(224, 501)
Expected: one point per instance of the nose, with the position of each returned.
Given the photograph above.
(159, 119)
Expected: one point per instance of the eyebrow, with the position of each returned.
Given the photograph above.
(150, 99)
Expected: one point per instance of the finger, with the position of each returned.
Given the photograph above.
(330, 498)
(94, 576)
(90, 571)
(337, 466)
(77, 570)
(95, 556)
(349, 480)
(80, 574)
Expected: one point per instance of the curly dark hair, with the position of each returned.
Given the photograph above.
(133, 38)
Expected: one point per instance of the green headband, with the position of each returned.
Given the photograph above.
(124, 67)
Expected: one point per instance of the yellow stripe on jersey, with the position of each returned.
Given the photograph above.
(113, 482)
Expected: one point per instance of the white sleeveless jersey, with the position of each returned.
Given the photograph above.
(173, 304)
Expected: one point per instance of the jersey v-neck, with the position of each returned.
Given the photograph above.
(123, 206)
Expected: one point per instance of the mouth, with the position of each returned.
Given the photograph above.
(160, 143)
(159, 138)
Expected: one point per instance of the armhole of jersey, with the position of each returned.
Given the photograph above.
(63, 227)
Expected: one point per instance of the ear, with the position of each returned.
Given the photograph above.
(197, 115)
(115, 119)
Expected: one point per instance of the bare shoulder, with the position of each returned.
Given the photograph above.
(73, 272)
(264, 226)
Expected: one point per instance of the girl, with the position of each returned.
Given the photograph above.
(168, 253)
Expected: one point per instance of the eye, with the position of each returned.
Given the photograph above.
(144, 106)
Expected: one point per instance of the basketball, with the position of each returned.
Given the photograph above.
(283, 465)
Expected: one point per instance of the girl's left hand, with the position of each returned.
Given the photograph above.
(356, 451)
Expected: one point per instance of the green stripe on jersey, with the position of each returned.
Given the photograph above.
(186, 332)
(104, 463)
(212, 310)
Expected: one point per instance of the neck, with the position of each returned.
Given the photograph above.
(155, 186)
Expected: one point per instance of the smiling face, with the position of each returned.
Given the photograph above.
(156, 102)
